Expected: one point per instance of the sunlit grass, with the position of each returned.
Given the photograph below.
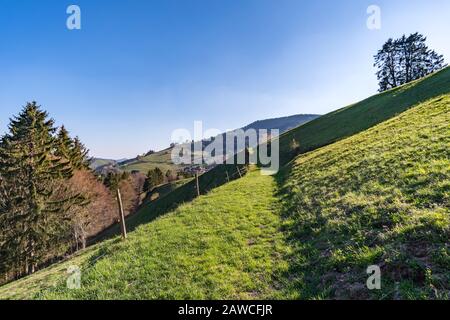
(378, 197)
(222, 245)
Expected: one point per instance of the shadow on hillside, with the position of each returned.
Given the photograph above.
(313, 272)
(292, 281)
(335, 232)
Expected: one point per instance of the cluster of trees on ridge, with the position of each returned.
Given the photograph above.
(406, 59)
(155, 177)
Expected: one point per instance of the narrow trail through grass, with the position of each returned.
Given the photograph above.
(226, 244)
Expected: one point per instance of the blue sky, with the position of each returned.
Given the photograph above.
(139, 69)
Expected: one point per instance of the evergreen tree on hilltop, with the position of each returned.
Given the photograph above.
(79, 155)
(64, 144)
(72, 150)
(32, 219)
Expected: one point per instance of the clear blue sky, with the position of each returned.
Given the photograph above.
(139, 69)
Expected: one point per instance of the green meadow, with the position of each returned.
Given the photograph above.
(369, 185)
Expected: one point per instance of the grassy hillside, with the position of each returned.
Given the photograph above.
(220, 245)
(377, 197)
(161, 159)
(149, 211)
(28, 287)
(96, 163)
(341, 123)
(312, 135)
(363, 115)
(162, 190)
(381, 197)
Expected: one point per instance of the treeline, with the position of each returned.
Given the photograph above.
(50, 200)
(406, 59)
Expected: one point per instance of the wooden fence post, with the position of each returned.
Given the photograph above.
(239, 171)
(123, 227)
(197, 185)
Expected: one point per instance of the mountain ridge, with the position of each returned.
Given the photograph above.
(162, 158)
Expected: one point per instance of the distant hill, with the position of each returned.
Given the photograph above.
(163, 160)
(96, 163)
(283, 124)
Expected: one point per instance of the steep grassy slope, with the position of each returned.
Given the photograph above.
(363, 115)
(314, 134)
(326, 201)
(179, 195)
(28, 287)
(220, 246)
(161, 159)
(381, 197)
(162, 190)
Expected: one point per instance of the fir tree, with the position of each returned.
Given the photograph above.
(71, 150)
(64, 144)
(79, 155)
(156, 176)
(32, 218)
(112, 180)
